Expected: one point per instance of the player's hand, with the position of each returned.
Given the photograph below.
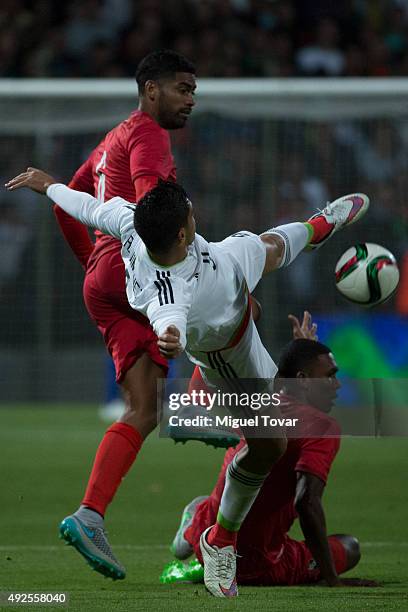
(34, 179)
(307, 329)
(169, 343)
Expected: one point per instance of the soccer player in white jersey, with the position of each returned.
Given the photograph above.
(195, 294)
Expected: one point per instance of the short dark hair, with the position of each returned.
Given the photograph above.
(160, 214)
(298, 355)
(161, 64)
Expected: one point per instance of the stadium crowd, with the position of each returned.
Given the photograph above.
(271, 38)
(237, 184)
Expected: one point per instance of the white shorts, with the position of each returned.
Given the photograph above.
(246, 250)
(247, 360)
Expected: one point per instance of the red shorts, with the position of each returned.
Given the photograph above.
(127, 334)
(287, 564)
(292, 564)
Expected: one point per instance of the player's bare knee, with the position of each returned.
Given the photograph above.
(144, 424)
(141, 415)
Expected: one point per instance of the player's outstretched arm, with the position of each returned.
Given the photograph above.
(113, 217)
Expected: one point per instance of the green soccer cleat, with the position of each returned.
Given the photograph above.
(180, 548)
(177, 571)
(218, 437)
(92, 543)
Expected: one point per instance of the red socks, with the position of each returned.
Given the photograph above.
(219, 536)
(320, 229)
(114, 457)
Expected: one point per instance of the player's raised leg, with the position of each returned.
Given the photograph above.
(336, 215)
(293, 238)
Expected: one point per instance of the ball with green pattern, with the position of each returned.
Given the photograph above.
(367, 274)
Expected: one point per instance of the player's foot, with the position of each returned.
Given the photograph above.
(219, 568)
(180, 548)
(336, 215)
(211, 435)
(91, 542)
(177, 571)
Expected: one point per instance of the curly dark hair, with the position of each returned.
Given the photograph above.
(161, 64)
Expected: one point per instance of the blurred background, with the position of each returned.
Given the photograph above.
(225, 38)
(255, 154)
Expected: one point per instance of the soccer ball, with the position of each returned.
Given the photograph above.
(367, 274)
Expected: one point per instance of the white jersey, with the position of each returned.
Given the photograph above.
(205, 296)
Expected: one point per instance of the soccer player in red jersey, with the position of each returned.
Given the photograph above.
(127, 163)
(294, 487)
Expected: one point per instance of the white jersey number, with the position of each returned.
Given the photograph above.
(101, 178)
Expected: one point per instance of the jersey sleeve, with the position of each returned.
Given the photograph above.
(114, 217)
(169, 300)
(149, 152)
(317, 456)
(143, 184)
(76, 234)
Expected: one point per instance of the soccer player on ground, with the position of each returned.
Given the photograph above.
(293, 489)
(127, 163)
(195, 294)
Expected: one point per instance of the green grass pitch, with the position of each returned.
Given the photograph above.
(45, 457)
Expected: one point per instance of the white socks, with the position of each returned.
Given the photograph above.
(240, 491)
(295, 237)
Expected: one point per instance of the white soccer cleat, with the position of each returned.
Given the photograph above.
(220, 565)
(180, 548)
(343, 211)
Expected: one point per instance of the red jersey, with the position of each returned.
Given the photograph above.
(136, 148)
(273, 513)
